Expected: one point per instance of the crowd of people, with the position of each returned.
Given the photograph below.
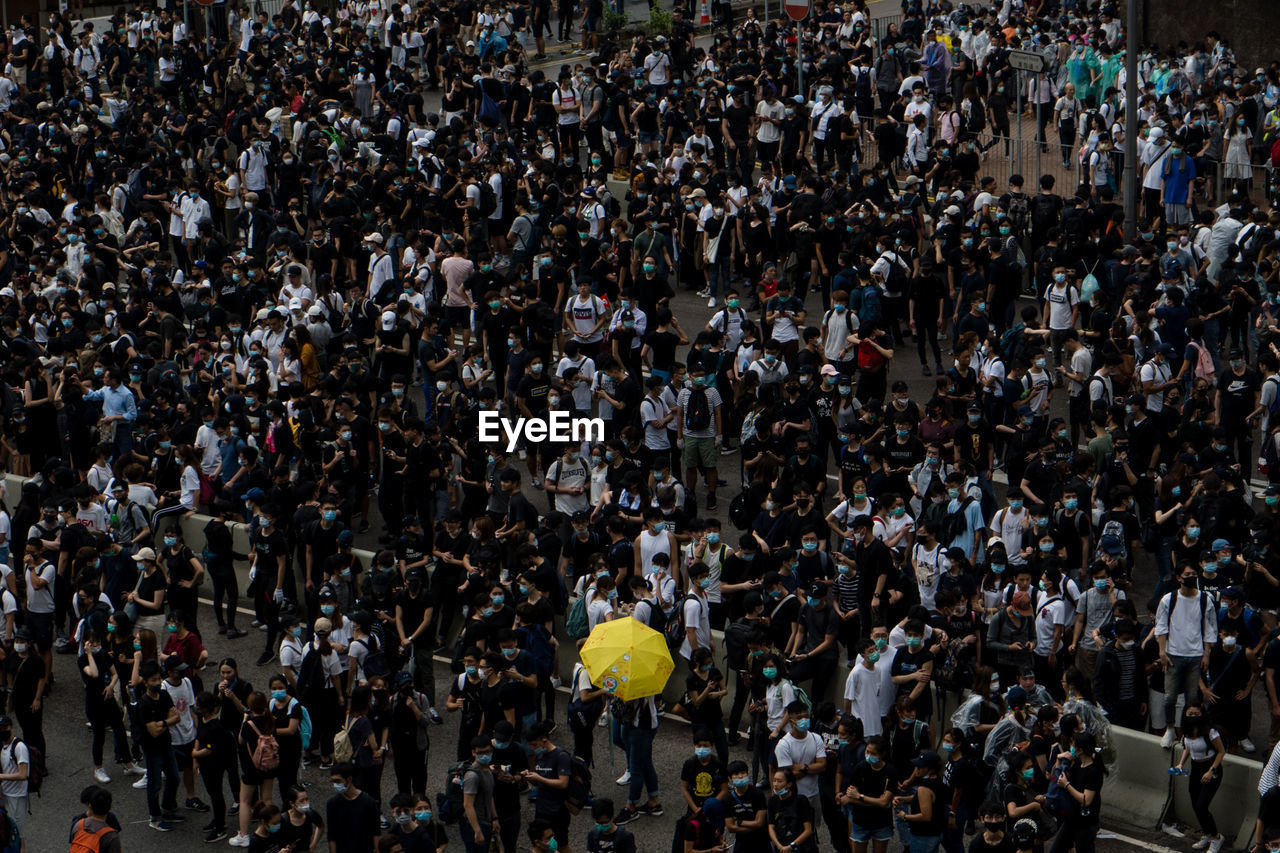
(274, 275)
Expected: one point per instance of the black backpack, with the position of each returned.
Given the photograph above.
(740, 510)
(488, 199)
(735, 643)
(37, 770)
(698, 411)
(955, 524)
(376, 662)
(449, 801)
(657, 617)
(310, 677)
(579, 791)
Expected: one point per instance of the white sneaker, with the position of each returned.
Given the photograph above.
(1172, 829)
(1166, 742)
(1204, 842)
(711, 303)
(555, 681)
(238, 840)
(141, 783)
(135, 770)
(101, 776)
(1247, 746)
(1216, 844)
(625, 778)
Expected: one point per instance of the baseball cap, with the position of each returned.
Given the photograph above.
(829, 370)
(1016, 697)
(144, 554)
(388, 320)
(1022, 603)
(254, 494)
(1220, 545)
(1233, 592)
(1112, 545)
(322, 626)
(928, 758)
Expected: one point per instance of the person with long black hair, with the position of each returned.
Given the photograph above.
(1202, 747)
(1082, 781)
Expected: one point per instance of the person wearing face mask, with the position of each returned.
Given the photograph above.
(862, 688)
(1116, 681)
(791, 817)
(156, 715)
(1227, 685)
(1204, 750)
(1186, 629)
(1094, 609)
(406, 828)
(745, 807)
(351, 815)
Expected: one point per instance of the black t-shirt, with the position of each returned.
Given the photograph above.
(412, 610)
(214, 736)
(353, 825)
(618, 841)
(871, 783)
(1237, 392)
(554, 764)
(788, 815)
(979, 844)
(704, 780)
(1088, 779)
(744, 804)
(519, 509)
(150, 710)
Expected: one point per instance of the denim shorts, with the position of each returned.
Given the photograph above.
(859, 835)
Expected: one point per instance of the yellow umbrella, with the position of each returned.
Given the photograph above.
(627, 658)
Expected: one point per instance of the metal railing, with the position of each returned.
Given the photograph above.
(880, 25)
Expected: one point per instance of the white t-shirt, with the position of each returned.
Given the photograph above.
(1051, 610)
(1061, 300)
(862, 689)
(207, 444)
(189, 487)
(929, 564)
(291, 655)
(41, 600)
(697, 615)
(598, 609)
(184, 702)
(12, 756)
(806, 750)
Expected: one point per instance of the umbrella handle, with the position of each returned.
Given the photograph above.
(608, 713)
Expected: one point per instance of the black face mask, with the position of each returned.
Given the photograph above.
(1189, 582)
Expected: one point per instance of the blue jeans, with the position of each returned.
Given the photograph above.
(162, 768)
(718, 277)
(640, 763)
(1183, 677)
(469, 842)
(953, 836)
(925, 843)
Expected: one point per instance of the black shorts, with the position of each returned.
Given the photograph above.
(41, 627)
(456, 317)
(182, 752)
